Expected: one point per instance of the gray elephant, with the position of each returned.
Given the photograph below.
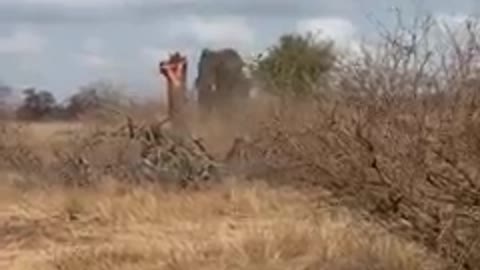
(221, 82)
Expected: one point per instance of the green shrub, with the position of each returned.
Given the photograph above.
(294, 66)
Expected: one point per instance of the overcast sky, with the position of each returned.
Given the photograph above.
(61, 44)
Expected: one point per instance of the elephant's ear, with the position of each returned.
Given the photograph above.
(205, 52)
(205, 57)
(202, 66)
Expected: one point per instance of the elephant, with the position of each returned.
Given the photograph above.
(221, 82)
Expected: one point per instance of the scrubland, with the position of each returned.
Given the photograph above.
(377, 168)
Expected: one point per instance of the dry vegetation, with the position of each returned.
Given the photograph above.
(377, 170)
(233, 226)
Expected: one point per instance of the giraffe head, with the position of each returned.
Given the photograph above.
(174, 69)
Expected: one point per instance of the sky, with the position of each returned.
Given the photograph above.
(60, 45)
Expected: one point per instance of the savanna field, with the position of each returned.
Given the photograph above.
(235, 224)
(372, 166)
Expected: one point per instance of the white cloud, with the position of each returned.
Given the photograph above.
(342, 31)
(93, 44)
(92, 55)
(218, 31)
(336, 28)
(22, 41)
(91, 3)
(70, 3)
(451, 20)
(453, 26)
(94, 60)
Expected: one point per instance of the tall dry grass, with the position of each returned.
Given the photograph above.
(233, 226)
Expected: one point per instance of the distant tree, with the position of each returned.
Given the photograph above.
(36, 104)
(94, 97)
(295, 65)
(5, 92)
(83, 101)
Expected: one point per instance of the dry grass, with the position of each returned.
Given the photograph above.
(236, 225)
(233, 226)
(49, 132)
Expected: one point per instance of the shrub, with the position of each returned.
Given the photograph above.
(295, 65)
(36, 104)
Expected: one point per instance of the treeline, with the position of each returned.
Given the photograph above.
(42, 105)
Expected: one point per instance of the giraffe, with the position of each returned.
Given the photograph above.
(175, 72)
(220, 81)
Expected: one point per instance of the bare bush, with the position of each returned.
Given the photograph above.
(100, 100)
(395, 137)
